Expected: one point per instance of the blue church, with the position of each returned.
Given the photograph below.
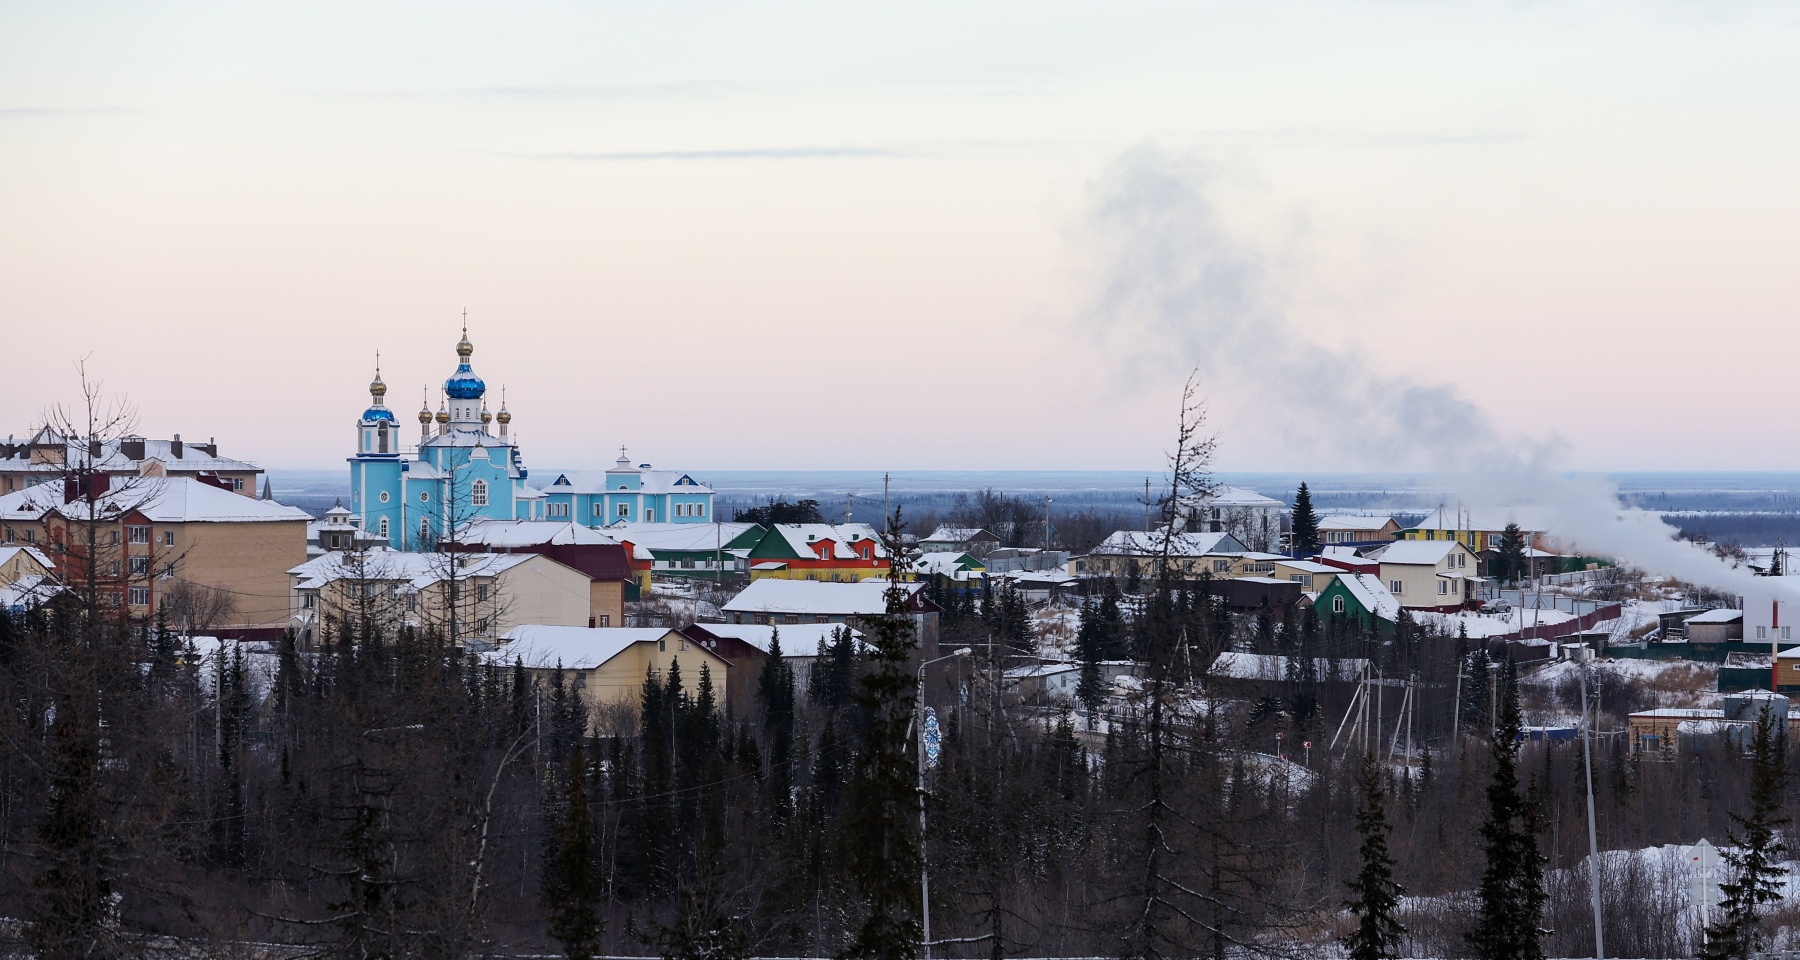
(461, 473)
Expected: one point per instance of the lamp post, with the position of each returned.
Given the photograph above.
(924, 862)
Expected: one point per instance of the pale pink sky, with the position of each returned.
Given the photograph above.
(819, 235)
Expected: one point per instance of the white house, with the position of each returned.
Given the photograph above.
(1255, 520)
(1430, 574)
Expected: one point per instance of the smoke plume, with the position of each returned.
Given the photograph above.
(1179, 287)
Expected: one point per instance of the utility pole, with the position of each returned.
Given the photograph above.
(1456, 708)
(1146, 503)
(886, 517)
(847, 508)
(1587, 751)
(1046, 524)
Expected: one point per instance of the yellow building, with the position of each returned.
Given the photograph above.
(1478, 530)
(493, 593)
(608, 665)
(18, 561)
(1430, 575)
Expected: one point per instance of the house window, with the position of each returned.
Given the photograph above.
(662, 646)
(237, 483)
(1443, 587)
(309, 600)
(1462, 559)
(478, 493)
(168, 538)
(137, 534)
(139, 597)
(605, 620)
(481, 592)
(1396, 587)
(700, 509)
(1762, 633)
(140, 565)
(1337, 604)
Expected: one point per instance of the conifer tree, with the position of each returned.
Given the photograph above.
(1305, 534)
(883, 847)
(1512, 893)
(1754, 858)
(1374, 896)
(1509, 559)
(571, 880)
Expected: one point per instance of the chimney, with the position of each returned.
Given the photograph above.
(175, 447)
(132, 447)
(95, 449)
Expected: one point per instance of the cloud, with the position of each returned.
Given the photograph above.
(49, 112)
(753, 153)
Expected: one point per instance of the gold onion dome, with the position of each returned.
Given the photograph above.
(504, 417)
(376, 387)
(486, 417)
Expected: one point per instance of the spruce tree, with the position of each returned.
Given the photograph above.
(1754, 858)
(571, 881)
(1305, 536)
(1374, 896)
(882, 842)
(1512, 884)
(1509, 559)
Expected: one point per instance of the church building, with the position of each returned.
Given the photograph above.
(460, 473)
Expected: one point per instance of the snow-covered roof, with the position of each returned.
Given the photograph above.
(576, 648)
(797, 639)
(1239, 497)
(9, 551)
(1233, 665)
(530, 533)
(946, 563)
(164, 500)
(1355, 524)
(1529, 519)
(416, 570)
(1681, 713)
(28, 591)
(1308, 566)
(678, 536)
(1721, 615)
(817, 597)
(1016, 674)
(1423, 552)
(1372, 594)
(193, 457)
(1142, 543)
(650, 481)
(804, 538)
(948, 534)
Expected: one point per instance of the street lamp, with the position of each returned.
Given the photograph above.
(924, 862)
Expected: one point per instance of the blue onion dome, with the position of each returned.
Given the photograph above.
(378, 408)
(464, 384)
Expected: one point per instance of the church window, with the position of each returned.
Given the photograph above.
(424, 496)
(624, 510)
(384, 496)
(382, 443)
(478, 493)
(649, 515)
(598, 512)
(424, 530)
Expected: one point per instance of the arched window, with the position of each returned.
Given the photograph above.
(381, 439)
(384, 527)
(478, 493)
(1337, 604)
(424, 530)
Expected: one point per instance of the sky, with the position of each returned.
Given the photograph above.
(920, 236)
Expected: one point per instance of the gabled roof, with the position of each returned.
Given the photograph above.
(28, 591)
(946, 563)
(530, 533)
(797, 639)
(1371, 594)
(1308, 566)
(171, 500)
(575, 648)
(684, 537)
(1420, 552)
(801, 540)
(816, 597)
(194, 456)
(11, 550)
(1357, 524)
(649, 481)
(1529, 519)
(1140, 543)
(1239, 497)
(416, 570)
(948, 534)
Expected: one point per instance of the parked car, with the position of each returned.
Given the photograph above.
(1497, 606)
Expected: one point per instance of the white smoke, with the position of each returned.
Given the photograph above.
(1179, 286)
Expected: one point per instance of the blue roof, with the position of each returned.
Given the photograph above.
(378, 413)
(464, 384)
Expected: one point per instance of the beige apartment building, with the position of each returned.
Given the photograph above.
(48, 455)
(471, 596)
